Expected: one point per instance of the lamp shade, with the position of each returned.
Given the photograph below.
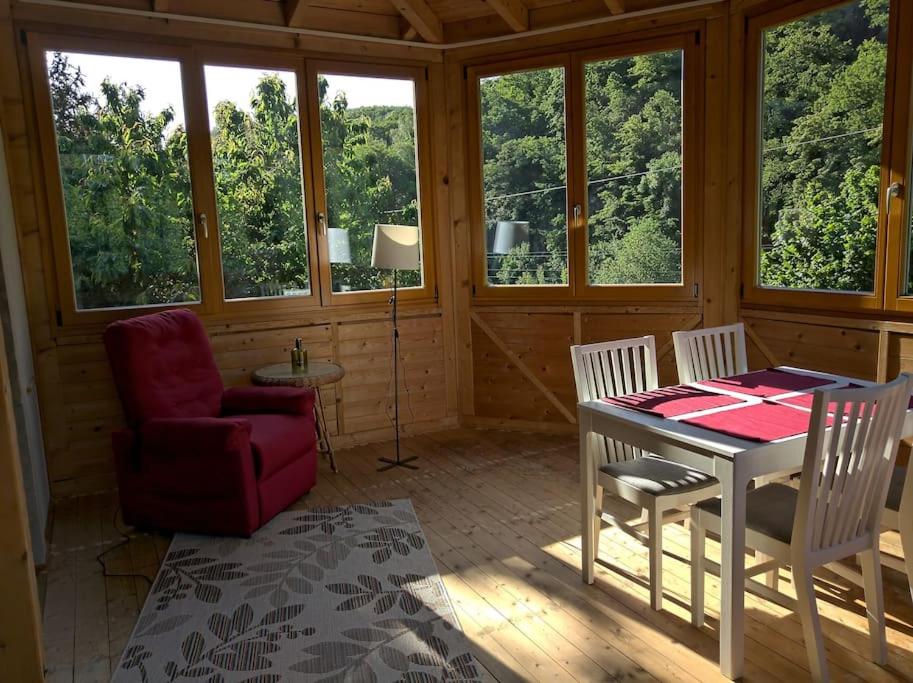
(396, 247)
(340, 247)
(509, 234)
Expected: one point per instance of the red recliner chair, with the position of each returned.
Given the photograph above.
(197, 457)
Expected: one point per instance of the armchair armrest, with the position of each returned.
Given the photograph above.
(189, 437)
(282, 400)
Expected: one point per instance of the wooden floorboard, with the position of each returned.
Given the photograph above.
(501, 514)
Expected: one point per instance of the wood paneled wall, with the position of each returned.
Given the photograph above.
(85, 408)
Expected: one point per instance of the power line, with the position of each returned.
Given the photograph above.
(824, 139)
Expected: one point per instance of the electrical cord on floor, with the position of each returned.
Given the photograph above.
(120, 544)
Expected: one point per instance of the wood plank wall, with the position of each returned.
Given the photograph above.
(79, 421)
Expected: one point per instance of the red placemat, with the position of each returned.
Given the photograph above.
(767, 383)
(762, 422)
(806, 400)
(673, 401)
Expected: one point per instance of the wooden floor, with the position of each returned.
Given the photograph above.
(500, 512)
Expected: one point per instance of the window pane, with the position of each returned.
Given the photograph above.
(524, 177)
(122, 147)
(367, 126)
(822, 109)
(634, 169)
(256, 155)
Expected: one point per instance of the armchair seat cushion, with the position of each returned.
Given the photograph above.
(657, 476)
(278, 440)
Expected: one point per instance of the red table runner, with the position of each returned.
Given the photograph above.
(767, 383)
(673, 401)
(762, 422)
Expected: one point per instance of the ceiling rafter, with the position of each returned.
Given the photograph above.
(294, 11)
(615, 6)
(514, 12)
(422, 18)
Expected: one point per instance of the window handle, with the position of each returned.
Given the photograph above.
(894, 190)
(322, 222)
(578, 211)
(204, 222)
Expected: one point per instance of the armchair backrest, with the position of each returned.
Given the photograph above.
(163, 366)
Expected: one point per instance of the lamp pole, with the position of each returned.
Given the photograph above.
(398, 462)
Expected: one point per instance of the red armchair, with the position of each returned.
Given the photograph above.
(195, 456)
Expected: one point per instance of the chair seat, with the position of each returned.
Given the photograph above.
(658, 476)
(895, 489)
(771, 510)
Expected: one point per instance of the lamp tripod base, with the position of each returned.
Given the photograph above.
(390, 463)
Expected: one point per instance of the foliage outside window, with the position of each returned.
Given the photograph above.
(368, 134)
(256, 155)
(524, 177)
(821, 145)
(634, 169)
(125, 175)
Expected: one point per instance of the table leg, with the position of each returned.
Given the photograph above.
(323, 434)
(732, 568)
(587, 503)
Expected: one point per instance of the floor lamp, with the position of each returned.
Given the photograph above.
(396, 248)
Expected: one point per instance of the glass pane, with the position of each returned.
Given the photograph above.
(256, 155)
(524, 177)
(821, 114)
(634, 169)
(367, 126)
(122, 146)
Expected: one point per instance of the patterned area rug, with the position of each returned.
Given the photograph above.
(326, 594)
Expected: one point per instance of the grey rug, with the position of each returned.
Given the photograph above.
(326, 594)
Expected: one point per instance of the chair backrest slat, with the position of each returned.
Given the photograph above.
(615, 368)
(710, 353)
(848, 466)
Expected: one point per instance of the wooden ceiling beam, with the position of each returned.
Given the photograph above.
(514, 12)
(615, 6)
(294, 11)
(423, 19)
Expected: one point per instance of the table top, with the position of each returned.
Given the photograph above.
(314, 374)
(626, 425)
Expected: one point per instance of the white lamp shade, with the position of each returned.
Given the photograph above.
(509, 234)
(340, 247)
(396, 247)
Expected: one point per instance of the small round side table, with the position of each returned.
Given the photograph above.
(314, 375)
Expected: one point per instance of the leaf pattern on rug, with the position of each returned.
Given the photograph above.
(325, 594)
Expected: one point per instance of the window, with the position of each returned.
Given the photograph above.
(256, 157)
(369, 136)
(822, 108)
(524, 177)
(634, 169)
(121, 145)
(233, 180)
(588, 173)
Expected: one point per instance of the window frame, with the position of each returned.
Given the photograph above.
(254, 59)
(67, 312)
(752, 291)
(578, 287)
(427, 293)
(692, 170)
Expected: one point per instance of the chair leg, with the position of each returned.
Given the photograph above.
(906, 542)
(655, 522)
(597, 520)
(874, 604)
(811, 624)
(698, 538)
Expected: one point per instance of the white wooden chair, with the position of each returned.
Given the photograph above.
(835, 513)
(710, 353)
(652, 483)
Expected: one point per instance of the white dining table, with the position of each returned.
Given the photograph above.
(734, 462)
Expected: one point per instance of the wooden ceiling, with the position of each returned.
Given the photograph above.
(428, 21)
